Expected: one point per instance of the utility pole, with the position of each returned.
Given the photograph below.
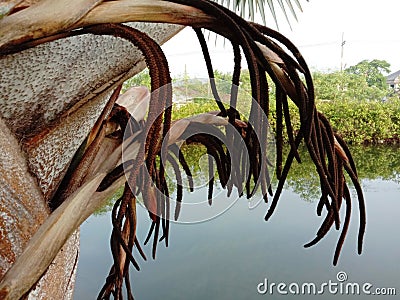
(341, 54)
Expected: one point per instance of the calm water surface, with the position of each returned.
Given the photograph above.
(227, 257)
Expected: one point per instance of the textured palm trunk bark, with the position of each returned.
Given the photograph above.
(50, 98)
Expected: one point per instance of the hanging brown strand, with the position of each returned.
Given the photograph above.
(160, 98)
(179, 187)
(178, 154)
(207, 59)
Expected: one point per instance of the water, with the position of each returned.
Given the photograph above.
(229, 256)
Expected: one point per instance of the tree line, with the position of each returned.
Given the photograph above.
(357, 101)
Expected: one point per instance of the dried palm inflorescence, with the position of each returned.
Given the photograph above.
(262, 48)
(153, 144)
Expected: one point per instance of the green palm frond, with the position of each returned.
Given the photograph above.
(249, 8)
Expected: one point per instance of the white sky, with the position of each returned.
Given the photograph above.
(371, 31)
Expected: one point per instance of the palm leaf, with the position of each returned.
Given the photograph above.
(272, 9)
(298, 4)
(289, 3)
(260, 5)
(251, 7)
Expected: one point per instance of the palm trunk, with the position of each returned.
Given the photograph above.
(51, 96)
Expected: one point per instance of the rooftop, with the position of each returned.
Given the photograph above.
(390, 79)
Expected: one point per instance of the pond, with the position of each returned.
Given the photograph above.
(237, 255)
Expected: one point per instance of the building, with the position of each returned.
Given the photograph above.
(393, 80)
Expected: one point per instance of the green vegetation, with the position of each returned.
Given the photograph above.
(373, 163)
(359, 122)
(110, 202)
(342, 86)
(356, 101)
(378, 162)
(141, 79)
(197, 106)
(363, 81)
(372, 71)
(371, 122)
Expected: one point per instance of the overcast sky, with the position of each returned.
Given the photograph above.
(371, 31)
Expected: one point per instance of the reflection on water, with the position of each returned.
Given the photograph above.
(227, 257)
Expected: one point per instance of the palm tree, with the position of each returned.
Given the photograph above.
(56, 114)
